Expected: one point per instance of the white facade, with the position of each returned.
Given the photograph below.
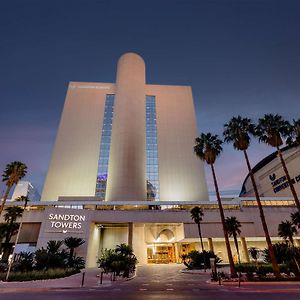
(270, 177)
(74, 164)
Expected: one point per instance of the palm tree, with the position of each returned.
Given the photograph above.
(254, 253)
(9, 229)
(13, 172)
(197, 214)
(270, 130)
(296, 218)
(233, 226)
(238, 132)
(72, 243)
(287, 230)
(124, 249)
(24, 199)
(294, 134)
(53, 246)
(207, 148)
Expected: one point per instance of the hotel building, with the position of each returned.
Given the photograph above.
(123, 171)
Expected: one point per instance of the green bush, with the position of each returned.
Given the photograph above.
(39, 275)
(244, 268)
(120, 261)
(195, 259)
(25, 262)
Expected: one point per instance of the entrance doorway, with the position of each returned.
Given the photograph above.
(161, 254)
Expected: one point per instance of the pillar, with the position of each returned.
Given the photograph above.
(210, 244)
(130, 233)
(127, 161)
(245, 249)
(177, 252)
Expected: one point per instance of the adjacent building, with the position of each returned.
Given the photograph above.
(270, 176)
(25, 188)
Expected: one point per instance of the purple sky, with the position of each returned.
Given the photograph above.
(240, 57)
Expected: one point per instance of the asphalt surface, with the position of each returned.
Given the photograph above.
(162, 282)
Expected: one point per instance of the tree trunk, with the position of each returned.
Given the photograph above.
(263, 220)
(5, 198)
(200, 235)
(291, 240)
(6, 252)
(289, 179)
(201, 241)
(229, 253)
(237, 247)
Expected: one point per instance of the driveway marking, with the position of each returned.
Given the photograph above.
(169, 289)
(143, 289)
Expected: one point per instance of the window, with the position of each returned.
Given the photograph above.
(105, 147)
(151, 150)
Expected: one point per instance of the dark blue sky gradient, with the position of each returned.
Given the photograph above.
(240, 57)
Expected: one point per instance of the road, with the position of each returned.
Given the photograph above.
(161, 282)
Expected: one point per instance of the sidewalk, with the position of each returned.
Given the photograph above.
(91, 280)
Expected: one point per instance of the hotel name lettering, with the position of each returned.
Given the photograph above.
(281, 183)
(66, 221)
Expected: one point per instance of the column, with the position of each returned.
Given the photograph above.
(210, 244)
(127, 160)
(130, 233)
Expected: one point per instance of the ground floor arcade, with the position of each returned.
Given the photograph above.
(156, 235)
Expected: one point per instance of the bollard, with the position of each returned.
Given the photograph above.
(239, 279)
(101, 277)
(219, 277)
(82, 281)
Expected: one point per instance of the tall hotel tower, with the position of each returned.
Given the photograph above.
(126, 141)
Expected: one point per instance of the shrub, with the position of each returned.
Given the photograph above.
(39, 275)
(24, 262)
(244, 268)
(195, 259)
(120, 261)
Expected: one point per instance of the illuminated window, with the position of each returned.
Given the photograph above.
(151, 149)
(105, 147)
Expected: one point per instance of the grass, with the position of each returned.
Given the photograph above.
(38, 275)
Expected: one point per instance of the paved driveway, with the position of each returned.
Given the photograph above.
(160, 282)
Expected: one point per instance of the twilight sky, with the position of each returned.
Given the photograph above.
(239, 56)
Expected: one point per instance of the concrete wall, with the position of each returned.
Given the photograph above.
(181, 173)
(74, 164)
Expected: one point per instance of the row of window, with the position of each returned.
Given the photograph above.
(151, 148)
(105, 147)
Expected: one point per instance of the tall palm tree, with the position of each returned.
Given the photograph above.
(238, 131)
(287, 230)
(207, 148)
(197, 214)
(233, 226)
(13, 172)
(270, 130)
(72, 243)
